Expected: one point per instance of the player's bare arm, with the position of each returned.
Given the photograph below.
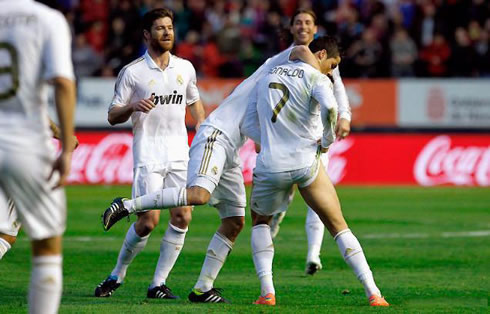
(304, 54)
(65, 96)
(121, 114)
(198, 113)
(343, 128)
(56, 134)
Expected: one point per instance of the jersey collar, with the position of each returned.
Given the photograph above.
(152, 65)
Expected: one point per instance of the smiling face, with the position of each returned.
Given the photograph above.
(161, 36)
(303, 29)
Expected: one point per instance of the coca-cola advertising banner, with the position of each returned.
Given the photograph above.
(421, 159)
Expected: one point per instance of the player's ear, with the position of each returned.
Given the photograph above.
(146, 34)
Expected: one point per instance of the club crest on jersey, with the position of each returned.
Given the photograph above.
(180, 80)
(173, 98)
(151, 83)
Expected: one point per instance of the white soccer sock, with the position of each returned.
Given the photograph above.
(170, 247)
(263, 254)
(46, 284)
(314, 233)
(219, 248)
(133, 244)
(4, 247)
(351, 250)
(165, 198)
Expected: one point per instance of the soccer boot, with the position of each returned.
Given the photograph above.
(268, 299)
(211, 296)
(107, 287)
(376, 300)
(312, 267)
(114, 213)
(161, 292)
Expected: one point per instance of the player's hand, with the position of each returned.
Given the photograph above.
(75, 143)
(144, 105)
(61, 165)
(343, 129)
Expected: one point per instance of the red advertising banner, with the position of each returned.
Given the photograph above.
(421, 159)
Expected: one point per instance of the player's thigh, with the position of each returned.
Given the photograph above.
(9, 223)
(176, 177)
(270, 192)
(208, 157)
(321, 196)
(230, 197)
(40, 209)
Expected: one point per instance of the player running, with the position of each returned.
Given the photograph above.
(34, 50)
(303, 28)
(154, 90)
(9, 223)
(290, 102)
(214, 176)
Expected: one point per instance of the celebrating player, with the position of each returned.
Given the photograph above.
(290, 101)
(35, 49)
(154, 90)
(214, 176)
(9, 224)
(303, 28)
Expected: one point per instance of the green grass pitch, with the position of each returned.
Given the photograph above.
(429, 250)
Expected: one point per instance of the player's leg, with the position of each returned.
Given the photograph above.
(9, 226)
(278, 218)
(230, 199)
(173, 240)
(145, 180)
(321, 196)
(42, 212)
(270, 191)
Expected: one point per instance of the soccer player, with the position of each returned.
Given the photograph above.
(303, 28)
(214, 176)
(154, 90)
(290, 101)
(9, 224)
(35, 50)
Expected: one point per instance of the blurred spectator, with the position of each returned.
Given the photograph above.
(190, 48)
(436, 56)
(403, 54)
(85, 60)
(462, 54)
(366, 54)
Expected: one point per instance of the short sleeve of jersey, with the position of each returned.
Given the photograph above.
(57, 48)
(122, 89)
(192, 93)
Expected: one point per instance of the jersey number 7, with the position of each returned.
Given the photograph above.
(282, 101)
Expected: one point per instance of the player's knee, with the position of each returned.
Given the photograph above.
(236, 225)
(145, 225)
(181, 219)
(197, 195)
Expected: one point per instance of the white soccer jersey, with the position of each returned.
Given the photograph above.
(159, 136)
(34, 47)
(292, 100)
(341, 95)
(230, 114)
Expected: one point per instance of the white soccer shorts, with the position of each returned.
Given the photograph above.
(152, 178)
(9, 224)
(271, 190)
(215, 166)
(40, 209)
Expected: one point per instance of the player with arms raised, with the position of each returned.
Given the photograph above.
(154, 90)
(35, 49)
(291, 102)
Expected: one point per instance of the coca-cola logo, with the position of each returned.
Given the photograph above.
(109, 161)
(439, 163)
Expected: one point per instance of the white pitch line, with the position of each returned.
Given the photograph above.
(464, 234)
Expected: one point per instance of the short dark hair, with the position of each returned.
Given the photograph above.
(305, 11)
(156, 14)
(329, 43)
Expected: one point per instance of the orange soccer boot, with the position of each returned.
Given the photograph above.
(268, 299)
(376, 300)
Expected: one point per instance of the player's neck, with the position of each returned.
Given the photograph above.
(161, 59)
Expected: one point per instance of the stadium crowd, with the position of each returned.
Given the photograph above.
(231, 38)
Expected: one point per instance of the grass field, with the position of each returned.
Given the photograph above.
(429, 250)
